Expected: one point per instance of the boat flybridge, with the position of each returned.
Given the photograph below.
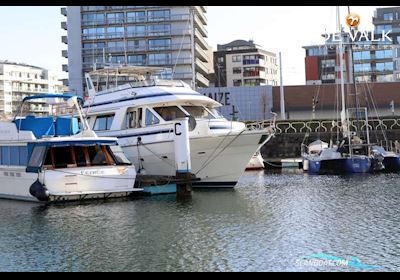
(142, 111)
(54, 155)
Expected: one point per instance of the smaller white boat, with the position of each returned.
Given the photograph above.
(256, 162)
(58, 157)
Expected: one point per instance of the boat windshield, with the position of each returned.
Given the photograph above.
(215, 112)
(198, 112)
(170, 113)
(119, 155)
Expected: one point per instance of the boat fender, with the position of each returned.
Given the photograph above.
(39, 191)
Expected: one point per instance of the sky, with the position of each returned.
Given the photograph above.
(32, 34)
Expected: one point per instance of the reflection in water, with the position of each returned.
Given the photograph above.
(267, 223)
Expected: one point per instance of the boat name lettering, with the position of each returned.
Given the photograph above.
(92, 172)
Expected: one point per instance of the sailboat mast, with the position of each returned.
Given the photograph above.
(343, 113)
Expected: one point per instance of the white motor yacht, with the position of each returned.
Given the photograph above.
(142, 112)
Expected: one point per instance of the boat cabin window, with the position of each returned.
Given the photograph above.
(60, 157)
(150, 118)
(198, 112)
(170, 113)
(133, 119)
(79, 156)
(103, 122)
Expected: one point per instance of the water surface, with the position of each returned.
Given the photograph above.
(268, 223)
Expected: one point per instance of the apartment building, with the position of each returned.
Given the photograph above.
(243, 63)
(171, 37)
(371, 61)
(18, 80)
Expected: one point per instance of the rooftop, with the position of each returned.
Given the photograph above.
(19, 64)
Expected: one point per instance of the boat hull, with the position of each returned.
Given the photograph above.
(339, 166)
(68, 184)
(219, 161)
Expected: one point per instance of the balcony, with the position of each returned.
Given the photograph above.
(30, 90)
(132, 34)
(200, 13)
(200, 39)
(144, 19)
(182, 76)
(133, 49)
(201, 80)
(64, 25)
(253, 62)
(199, 24)
(64, 53)
(64, 11)
(201, 67)
(64, 39)
(65, 67)
(200, 53)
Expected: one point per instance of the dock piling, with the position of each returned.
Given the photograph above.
(182, 159)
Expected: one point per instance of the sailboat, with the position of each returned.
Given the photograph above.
(351, 155)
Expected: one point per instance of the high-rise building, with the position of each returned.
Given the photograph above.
(171, 37)
(243, 63)
(371, 61)
(389, 19)
(18, 80)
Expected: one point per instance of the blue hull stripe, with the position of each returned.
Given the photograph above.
(142, 134)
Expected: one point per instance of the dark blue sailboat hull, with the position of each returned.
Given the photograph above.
(340, 166)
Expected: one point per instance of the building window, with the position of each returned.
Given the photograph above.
(252, 59)
(384, 27)
(114, 18)
(384, 54)
(328, 63)
(159, 29)
(236, 58)
(138, 59)
(160, 59)
(137, 45)
(220, 59)
(251, 71)
(115, 32)
(88, 19)
(159, 44)
(136, 16)
(318, 51)
(388, 16)
(384, 66)
(136, 30)
(237, 83)
(237, 70)
(158, 15)
(363, 67)
(364, 55)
